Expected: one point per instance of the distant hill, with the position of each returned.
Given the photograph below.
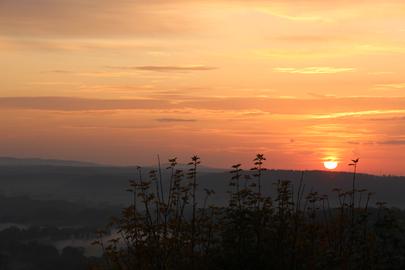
(26, 211)
(96, 184)
(201, 168)
(11, 161)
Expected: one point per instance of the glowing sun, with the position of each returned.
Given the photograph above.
(330, 165)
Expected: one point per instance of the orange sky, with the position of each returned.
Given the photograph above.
(121, 81)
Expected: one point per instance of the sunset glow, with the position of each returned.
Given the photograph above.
(119, 82)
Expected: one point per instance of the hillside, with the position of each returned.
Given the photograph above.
(99, 184)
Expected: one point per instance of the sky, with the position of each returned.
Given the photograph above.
(121, 81)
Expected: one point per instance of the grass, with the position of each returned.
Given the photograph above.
(294, 230)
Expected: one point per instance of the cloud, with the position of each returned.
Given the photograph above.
(353, 142)
(312, 108)
(385, 119)
(89, 18)
(386, 142)
(382, 48)
(171, 120)
(380, 72)
(167, 68)
(308, 38)
(393, 86)
(61, 71)
(313, 70)
(316, 95)
(58, 44)
(295, 17)
(80, 104)
(357, 113)
(93, 73)
(393, 142)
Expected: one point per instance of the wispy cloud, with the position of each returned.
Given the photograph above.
(173, 120)
(111, 18)
(58, 44)
(312, 108)
(381, 72)
(358, 113)
(393, 142)
(299, 17)
(393, 86)
(385, 119)
(313, 70)
(308, 38)
(383, 142)
(283, 14)
(61, 71)
(381, 48)
(166, 68)
(80, 104)
(117, 73)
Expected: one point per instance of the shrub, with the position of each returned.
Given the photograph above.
(293, 230)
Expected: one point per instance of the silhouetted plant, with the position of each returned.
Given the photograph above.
(295, 230)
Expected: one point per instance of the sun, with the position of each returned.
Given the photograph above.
(330, 165)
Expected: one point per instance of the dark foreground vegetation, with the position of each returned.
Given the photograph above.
(48, 235)
(295, 229)
(175, 220)
(33, 249)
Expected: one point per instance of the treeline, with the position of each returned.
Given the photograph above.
(50, 234)
(56, 213)
(296, 229)
(32, 228)
(32, 249)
